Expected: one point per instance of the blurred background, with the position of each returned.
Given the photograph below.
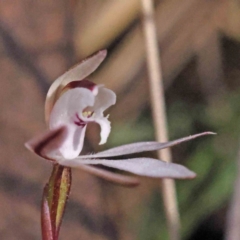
(200, 56)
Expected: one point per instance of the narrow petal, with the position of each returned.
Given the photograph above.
(47, 144)
(120, 179)
(147, 167)
(105, 126)
(79, 72)
(141, 147)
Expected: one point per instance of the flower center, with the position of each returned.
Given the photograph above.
(81, 123)
(87, 114)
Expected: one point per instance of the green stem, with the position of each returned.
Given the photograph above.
(55, 196)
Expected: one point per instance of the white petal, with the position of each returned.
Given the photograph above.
(79, 72)
(147, 167)
(104, 123)
(142, 147)
(105, 126)
(73, 144)
(64, 112)
(127, 181)
(104, 99)
(72, 102)
(47, 144)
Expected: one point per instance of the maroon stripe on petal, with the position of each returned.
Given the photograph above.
(47, 142)
(79, 121)
(81, 84)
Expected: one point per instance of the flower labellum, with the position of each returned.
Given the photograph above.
(72, 102)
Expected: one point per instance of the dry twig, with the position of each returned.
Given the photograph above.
(233, 220)
(159, 116)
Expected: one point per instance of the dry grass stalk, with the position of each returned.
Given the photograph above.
(159, 116)
(233, 220)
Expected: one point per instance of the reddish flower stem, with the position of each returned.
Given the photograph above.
(55, 196)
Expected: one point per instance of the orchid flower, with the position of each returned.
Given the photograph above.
(72, 102)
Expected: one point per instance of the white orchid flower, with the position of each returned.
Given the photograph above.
(72, 102)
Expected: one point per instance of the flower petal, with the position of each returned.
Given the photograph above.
(73, 144)
(127, 181)
(47, 144)
(82, 84)
(79, 72)
(65, 112)
(72, 102)
(103, 100)
(141, 147)
(105, 126)
(147, 167)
